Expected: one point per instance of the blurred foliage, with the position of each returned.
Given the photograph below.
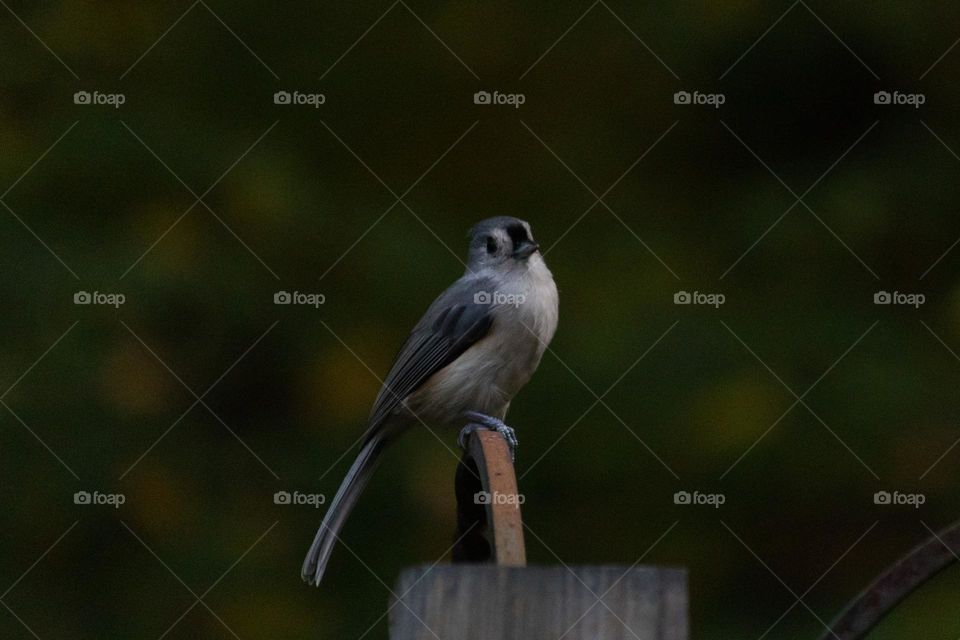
(286, 205)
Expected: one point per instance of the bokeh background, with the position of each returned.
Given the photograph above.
(297, 198)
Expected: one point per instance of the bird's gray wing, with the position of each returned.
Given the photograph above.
(454, 322)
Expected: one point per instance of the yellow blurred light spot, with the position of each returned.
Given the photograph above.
(339, 388)
(160, 503)
(732, 413)
(132, 382)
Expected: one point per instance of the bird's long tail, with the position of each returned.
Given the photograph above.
(360, 471)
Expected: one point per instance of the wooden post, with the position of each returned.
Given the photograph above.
(487, 602)
(510, 601)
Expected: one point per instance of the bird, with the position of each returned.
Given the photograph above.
(474, 348)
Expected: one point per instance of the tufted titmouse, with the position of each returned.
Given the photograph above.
(472, 351)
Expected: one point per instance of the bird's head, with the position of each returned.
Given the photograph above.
(503, 243)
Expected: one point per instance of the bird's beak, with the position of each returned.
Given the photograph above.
(525, 250)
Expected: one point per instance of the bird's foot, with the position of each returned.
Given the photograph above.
(493, 424)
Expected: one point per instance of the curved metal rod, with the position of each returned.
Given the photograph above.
(894, 585)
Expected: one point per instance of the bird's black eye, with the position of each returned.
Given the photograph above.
(491, 245)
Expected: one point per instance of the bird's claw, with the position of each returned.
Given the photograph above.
(493, 424)
(465, 434)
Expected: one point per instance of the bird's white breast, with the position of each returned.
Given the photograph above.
(488, 374)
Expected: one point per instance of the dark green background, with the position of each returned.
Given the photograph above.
(299, 199)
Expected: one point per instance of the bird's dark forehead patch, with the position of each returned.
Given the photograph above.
(494, 224)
